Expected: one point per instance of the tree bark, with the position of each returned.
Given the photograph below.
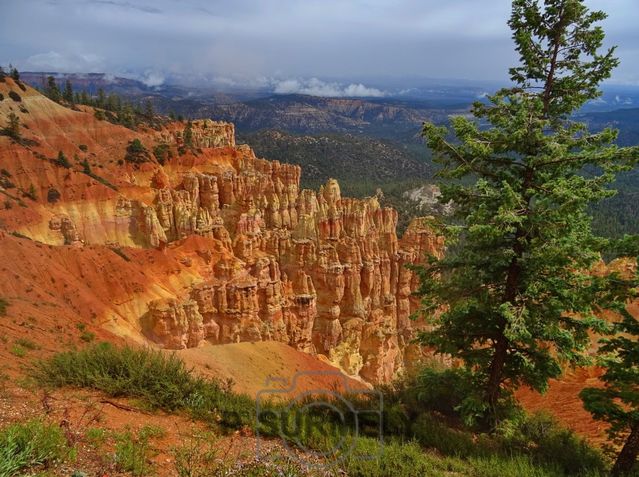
(628, 455)
(495, 372)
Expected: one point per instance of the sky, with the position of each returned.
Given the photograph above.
(347, 46)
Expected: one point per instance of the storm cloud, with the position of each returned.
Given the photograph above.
(343, 42)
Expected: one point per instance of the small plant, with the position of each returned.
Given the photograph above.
(62, 160)
(136, 153)
(13, 126)
(162, 153)
(131, 453)
(83, 147)
(53, 195)
(18, 351)
(95, 436)
(4, 304)
(31, 193)
(15, 96)
(27, 344)
(29, 444)
(87, 336)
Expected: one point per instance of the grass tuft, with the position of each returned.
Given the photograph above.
(29, 444)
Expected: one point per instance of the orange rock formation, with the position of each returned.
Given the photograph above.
(215, 244)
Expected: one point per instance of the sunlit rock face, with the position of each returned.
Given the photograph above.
(212, 243)
(320, 272)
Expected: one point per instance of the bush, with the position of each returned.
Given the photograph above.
(62, 160)
(87, 336)
(162, 153)
(53, 195)
(27, 344)
(83, 147)
(1, 96)
(18, 351)
(29, 444)
(136, 153)
(434, 434)
(4, 304)
(132, 452)
(541, 437)
(445, 391)
(161, 380)
(15, 96)
(31, 193)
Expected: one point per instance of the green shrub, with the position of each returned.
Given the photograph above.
(53, 195)
(454, 393)
(397, 460)
(29, 444)
(87, 336)
(162, 153)
(136, 153)
(95, 436)
(62, 160)
(27, 344)
(545, 441)
(15, 96)
(4, 304)
(132, 453)
(83, 147)
(161, 380)
(31, 193)
(18, 351)
(434, 434)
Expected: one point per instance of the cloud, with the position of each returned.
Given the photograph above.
(352, 42)
(317, 87)
(152, 78)
(63, 62)
(127, 5)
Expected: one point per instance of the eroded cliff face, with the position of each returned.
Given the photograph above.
(323, 273)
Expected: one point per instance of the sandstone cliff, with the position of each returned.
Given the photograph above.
(323, 273)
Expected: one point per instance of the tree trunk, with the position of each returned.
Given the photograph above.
(628, 455)
(495, 372)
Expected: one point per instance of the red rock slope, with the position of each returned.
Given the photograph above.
(212, 246)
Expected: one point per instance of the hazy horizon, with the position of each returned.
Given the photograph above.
(331, 46)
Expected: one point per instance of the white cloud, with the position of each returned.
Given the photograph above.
(152, 78)
(317, 87)
(63, 62)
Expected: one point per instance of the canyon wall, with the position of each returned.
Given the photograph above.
(323, 273)
(320, 272)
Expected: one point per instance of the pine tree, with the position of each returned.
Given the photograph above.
(618, 401)
(148, 109)
(101, 101)
(514, 296)
(68, 92)
(13, 126)
(52, 90)
(188, 135)
(84, 98)
(15, 74)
